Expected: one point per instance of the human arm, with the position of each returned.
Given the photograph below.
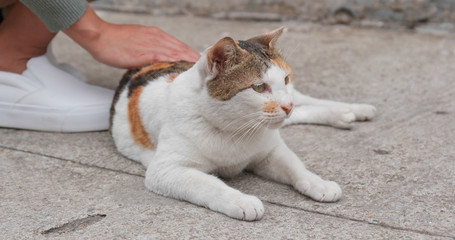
(127, 45)
(122, 46)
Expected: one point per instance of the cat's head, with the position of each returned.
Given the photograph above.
(248, 81)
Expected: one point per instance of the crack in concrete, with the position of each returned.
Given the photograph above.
(75, 223)
(71, 161)
(424, 232)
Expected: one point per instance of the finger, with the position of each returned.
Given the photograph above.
(173, 55)
(186, 56)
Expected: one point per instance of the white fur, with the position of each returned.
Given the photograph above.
(196, 136)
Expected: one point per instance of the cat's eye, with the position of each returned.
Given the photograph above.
(258, 87)
(286, 80)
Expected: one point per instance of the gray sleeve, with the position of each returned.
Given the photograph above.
(57, 14)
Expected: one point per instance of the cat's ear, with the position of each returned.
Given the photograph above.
(268, 39)
(223, 53)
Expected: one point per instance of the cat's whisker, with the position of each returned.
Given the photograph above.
(246, 124)
(288, 52)
(244, 129)
(256, 128)
(240, 129)
(249, 135)
(241, 119)
(243, 126)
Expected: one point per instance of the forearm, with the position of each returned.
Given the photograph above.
(117, 45)
(87, 30)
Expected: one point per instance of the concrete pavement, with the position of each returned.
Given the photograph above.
(397, 172)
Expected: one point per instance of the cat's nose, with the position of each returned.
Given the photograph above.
(287, 108)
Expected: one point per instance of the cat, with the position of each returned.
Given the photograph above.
(188, 123)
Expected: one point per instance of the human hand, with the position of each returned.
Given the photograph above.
(127, 46)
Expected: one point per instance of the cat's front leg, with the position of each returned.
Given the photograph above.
(284, 166)
(167, 177)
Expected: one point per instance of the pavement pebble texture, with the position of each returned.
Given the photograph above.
(407, 13)
(397, 172)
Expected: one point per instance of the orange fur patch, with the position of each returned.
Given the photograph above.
(138, 132)
(271, 107)
(281, 64)
(153, 67)
(171, 77)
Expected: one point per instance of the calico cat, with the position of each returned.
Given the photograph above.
(188, 123)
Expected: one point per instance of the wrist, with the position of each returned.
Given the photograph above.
(87, 30)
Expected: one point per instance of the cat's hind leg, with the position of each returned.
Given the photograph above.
(284, 166)
(321, 115)
(167, 176)
(310, 110)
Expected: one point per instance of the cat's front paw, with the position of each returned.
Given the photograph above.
(342, 118)
(244, 207)
(320, 190)
(363, 112)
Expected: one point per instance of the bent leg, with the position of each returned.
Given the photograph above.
(200, 188)
(284, 166)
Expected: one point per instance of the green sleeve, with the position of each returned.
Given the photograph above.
(57, 14)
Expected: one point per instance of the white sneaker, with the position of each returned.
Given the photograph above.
(46, 98)
(63, 66)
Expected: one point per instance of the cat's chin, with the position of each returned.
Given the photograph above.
(275, 124)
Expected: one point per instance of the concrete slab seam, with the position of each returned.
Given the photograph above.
(56, 229)
(362, 221)
(69, 160)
